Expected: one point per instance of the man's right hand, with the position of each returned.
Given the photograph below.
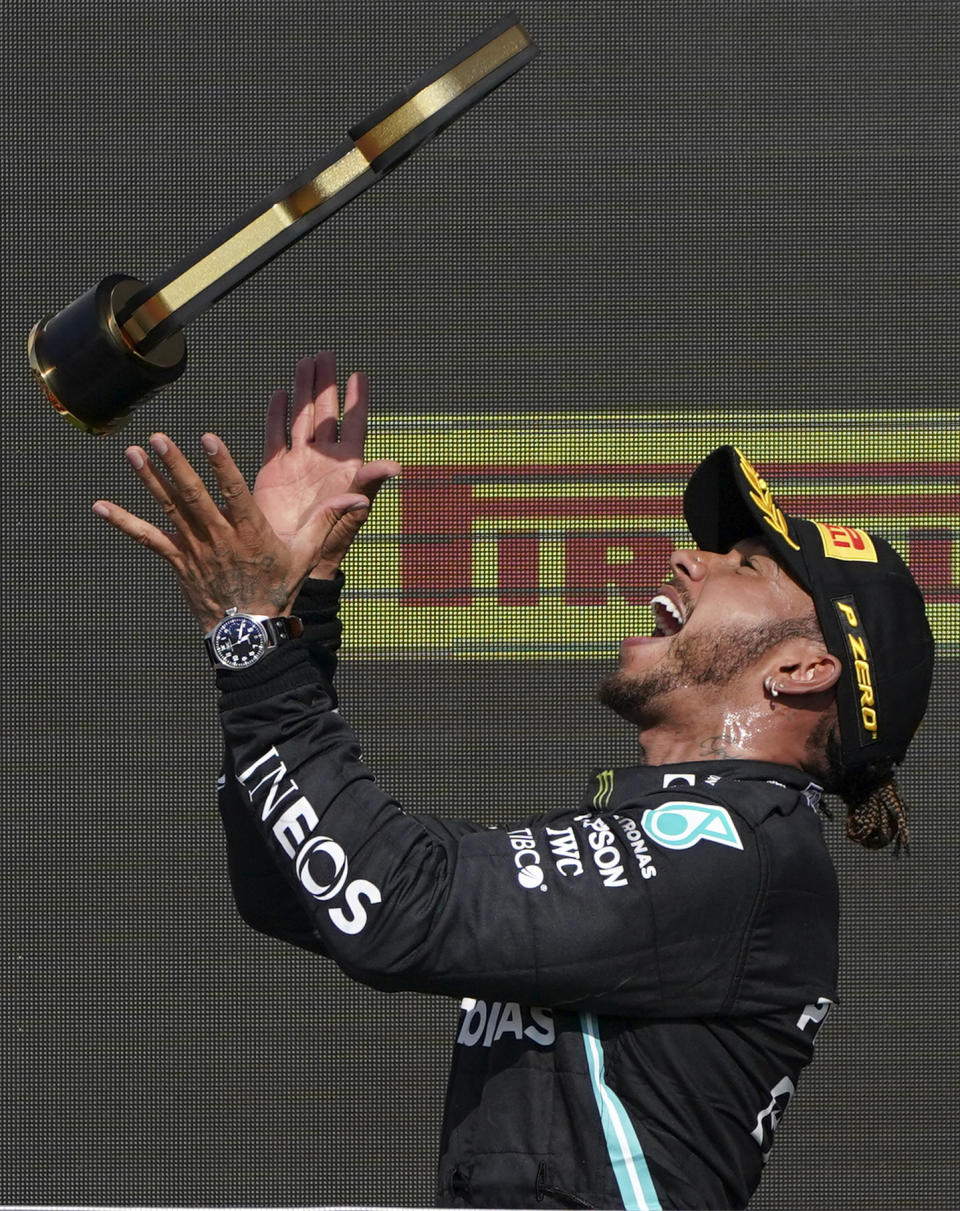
(324, 455)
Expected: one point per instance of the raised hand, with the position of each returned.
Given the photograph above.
(324, 455)
(230, 556)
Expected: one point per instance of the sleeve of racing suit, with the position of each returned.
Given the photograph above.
(401, 901)
(265, 897)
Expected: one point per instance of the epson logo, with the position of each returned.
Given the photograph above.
(602, 844)
(320, 862)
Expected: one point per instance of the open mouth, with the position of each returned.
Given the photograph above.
(669, 615)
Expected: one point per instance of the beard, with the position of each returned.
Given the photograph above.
(643, 698)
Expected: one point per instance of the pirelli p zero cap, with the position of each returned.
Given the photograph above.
(868, 605)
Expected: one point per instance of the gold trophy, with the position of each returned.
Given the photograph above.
(123, 340)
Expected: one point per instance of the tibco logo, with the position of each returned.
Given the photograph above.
(526, 859)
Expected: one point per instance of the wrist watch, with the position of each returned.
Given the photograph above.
(239, 640)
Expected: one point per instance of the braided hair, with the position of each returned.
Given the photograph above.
(880, 818)
(876, 814)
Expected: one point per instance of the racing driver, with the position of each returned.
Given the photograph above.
(642, 974)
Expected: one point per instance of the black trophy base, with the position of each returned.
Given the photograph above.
(87, 368)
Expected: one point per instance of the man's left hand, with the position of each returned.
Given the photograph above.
(230, 556)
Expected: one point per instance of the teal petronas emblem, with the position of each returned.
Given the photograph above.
(681, 825)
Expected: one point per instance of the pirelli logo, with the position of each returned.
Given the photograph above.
(546, 536)
(844, 542)
(861, 668)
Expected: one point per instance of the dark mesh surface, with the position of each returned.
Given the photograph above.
(680, 210)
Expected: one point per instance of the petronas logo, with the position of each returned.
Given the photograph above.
(682, 825)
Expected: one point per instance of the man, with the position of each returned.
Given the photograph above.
(642, 975)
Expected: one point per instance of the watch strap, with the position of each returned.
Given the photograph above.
(285, 627)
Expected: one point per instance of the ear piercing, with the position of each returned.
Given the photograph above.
(771, 687)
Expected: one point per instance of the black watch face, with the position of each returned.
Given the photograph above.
(239, 642)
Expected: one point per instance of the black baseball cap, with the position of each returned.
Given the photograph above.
(868, 605)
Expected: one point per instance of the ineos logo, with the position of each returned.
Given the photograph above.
(354, 893)
(292, 827)
(322, 845)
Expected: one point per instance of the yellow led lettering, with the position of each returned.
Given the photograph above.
(536, 537)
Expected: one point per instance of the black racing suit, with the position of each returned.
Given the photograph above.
(642, 975)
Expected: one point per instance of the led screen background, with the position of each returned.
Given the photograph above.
(686, 223)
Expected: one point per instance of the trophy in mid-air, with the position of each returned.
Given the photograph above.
(122, 340)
